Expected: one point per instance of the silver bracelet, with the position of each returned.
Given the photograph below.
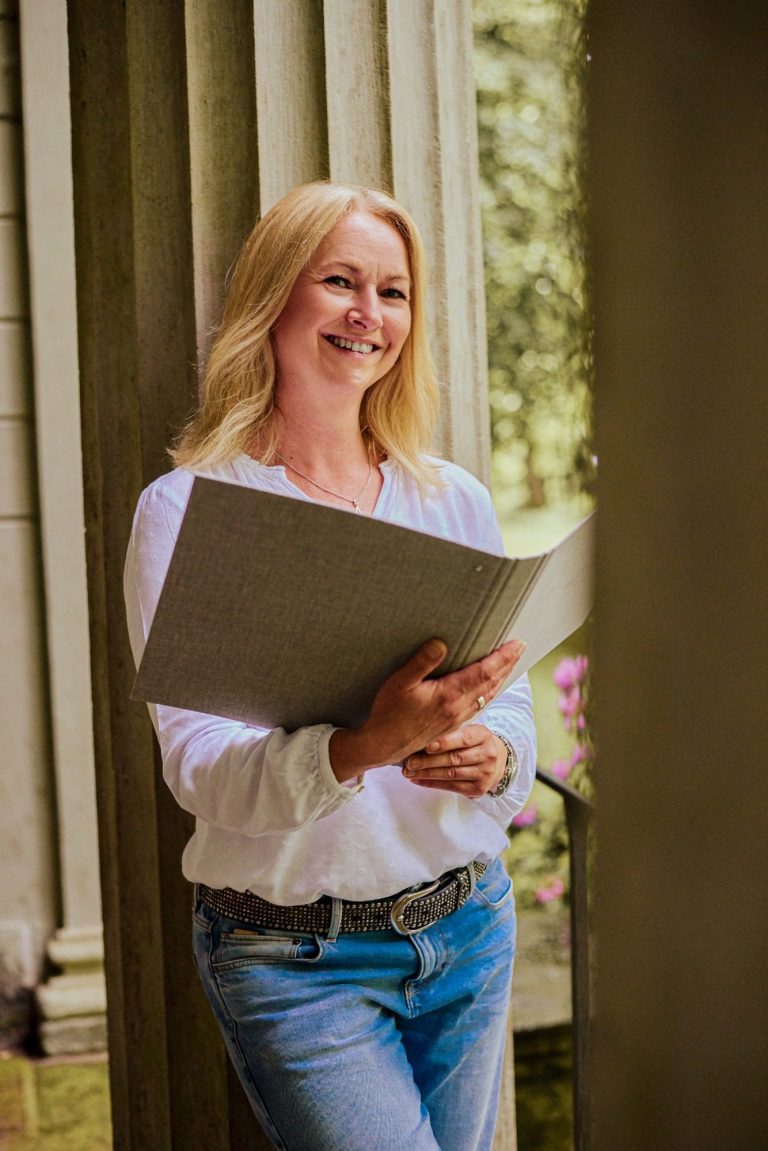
(510, 769)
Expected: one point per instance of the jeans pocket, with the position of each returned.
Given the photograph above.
(244, 946)
(494, 887)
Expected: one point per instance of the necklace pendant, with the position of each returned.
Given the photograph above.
(356, 506)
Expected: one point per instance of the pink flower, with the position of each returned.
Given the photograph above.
(570, 703)
(566, 674)
(570, 672)
(561, 769)
(526, 817)
(553, 891)
(578, 755)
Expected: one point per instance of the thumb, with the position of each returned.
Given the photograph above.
(429, 656)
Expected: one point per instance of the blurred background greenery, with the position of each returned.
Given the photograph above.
(530, 63)
(530, 66)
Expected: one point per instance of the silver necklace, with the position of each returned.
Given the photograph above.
(354, 500)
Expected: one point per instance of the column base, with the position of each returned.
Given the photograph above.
(77, 1035)
(73, 1004)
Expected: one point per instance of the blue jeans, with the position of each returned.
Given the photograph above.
(372, 1041)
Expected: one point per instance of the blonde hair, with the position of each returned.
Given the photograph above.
(397, 414)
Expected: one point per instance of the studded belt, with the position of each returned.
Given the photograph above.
(408, 912)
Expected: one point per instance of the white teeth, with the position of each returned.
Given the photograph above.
(352, 345)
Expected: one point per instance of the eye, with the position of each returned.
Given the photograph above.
(394, 294)
(338, 280)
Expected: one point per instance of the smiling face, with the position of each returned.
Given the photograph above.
(348, 313)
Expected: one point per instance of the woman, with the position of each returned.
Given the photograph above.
(354, 927)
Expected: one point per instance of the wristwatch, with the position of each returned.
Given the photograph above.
(510, 769)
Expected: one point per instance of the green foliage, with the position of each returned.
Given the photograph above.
(537, 856)
(530, 62)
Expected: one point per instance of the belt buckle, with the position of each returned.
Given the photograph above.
(403, 902)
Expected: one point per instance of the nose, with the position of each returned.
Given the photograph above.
(365, 312)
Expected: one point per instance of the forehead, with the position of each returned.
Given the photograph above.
(364, 239)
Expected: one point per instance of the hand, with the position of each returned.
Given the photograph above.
(470, 761)
(410, 710)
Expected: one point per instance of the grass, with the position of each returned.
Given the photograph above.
(543, 1094)
(54, 1104)
(58, 1105)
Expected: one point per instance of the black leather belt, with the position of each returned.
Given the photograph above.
(407, 912)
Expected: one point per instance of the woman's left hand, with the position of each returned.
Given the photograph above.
(470, 761)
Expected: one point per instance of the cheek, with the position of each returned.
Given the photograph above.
(285, 334)
(400, 333)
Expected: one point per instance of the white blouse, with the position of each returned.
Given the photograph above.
(270, 815)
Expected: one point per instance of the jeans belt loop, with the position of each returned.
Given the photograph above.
(337, 909)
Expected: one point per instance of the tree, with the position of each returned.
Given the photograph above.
(530, 69)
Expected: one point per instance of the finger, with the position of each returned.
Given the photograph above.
(429, 656)
(473, 789)
(484, 677)
(513, 648)
(503, 659)
(449, 772)
(451, 765)
(467, 736)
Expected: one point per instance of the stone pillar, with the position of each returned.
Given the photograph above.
(72, 1004)
(185, 118)
(28, 908)
(679, 170)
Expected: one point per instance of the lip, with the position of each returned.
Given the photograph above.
(355, 339)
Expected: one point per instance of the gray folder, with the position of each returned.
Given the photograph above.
(281, 612)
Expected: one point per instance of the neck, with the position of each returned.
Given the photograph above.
(324, 442)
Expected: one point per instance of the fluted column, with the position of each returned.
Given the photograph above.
(72, 1003)
(28, 895)
(187, 120)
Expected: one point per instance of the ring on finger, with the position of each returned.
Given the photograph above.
(481, 703)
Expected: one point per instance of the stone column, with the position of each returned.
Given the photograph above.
(72, 1004)
(28, 908)
(185, 118)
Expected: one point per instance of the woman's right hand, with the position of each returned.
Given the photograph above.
(410, 710)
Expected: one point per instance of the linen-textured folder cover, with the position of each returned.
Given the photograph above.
(281, 612)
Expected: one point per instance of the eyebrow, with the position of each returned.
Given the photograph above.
(390, 278)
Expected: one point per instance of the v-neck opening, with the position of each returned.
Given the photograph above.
(278, 472)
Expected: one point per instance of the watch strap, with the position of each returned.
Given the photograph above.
(510, 769)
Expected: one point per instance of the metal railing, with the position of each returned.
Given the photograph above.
(578, 811)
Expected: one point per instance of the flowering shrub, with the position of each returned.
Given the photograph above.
(526, 817)
(572, 677)
(538, 855)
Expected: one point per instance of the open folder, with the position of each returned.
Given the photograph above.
(281, 612)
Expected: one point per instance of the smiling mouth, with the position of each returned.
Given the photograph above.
(351, 345)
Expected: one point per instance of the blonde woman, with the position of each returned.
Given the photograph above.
(354, 927)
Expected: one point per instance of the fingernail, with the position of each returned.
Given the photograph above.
(435, 647)
(433, 746)
(519, 646)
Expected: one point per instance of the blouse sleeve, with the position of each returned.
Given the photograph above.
(237, 777)
(511, 712)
